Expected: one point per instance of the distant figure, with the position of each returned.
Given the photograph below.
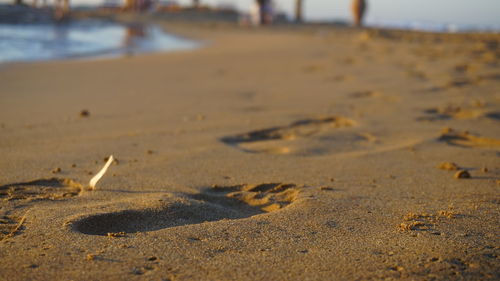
(134, 33)
(265, 11)
(255, 14)
(358, 11)
(62, 9)
(298, 10)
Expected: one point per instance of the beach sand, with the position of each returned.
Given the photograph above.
(285, 153)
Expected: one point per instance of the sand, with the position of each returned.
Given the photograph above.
(285, 153)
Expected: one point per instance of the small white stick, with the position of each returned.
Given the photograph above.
(101, 173)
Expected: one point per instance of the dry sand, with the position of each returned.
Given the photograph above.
(311, 153)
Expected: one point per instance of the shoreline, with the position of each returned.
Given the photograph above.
(137, 39)
(126, 19)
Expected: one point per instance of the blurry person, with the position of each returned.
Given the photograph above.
(298, 10)
(133, 33)
(268, 12)
(62, 10)
(129, 5)
(255, 14)
(265, 11)
(261, 3)
(358, 11)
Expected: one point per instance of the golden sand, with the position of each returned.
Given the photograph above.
(286, 153)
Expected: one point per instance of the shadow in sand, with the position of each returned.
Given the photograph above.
(494, 115)
(211, 204)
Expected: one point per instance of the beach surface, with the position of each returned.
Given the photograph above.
(285, 153)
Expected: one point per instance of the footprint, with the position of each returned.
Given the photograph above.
(339, 78)
(461, 82)
(463, 68)
(365, 94)
(494, 115)
(456, 83)
(489, 77)
(51, 189)
(451, 112)
(417, 74)
(312, 68)
(9, 225)
(466, 139)
(212, 204)
(273, 140)
(268, 197)
(425, 221)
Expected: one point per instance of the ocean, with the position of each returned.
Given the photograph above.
(84, 39)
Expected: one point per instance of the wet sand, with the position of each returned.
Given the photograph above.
(313, 153)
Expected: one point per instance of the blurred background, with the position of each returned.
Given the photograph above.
(461, 12)
(422, 14)
(53, 29)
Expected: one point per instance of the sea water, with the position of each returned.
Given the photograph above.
(431, 26)
(84, 39)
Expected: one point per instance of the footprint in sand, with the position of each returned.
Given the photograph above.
(9, 226)
(464, 68)
(461, 82)
(489, 77)
(365, 94)
(313, 68)
(41, 189)
(339, 78)
(495, 115)
(17, 197)
(467, 140)
(455, 83)
(474, 80)
(451, 112)
(274, 140)
(212, 204)
(417, 73)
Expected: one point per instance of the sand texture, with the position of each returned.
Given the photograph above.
(285, 153)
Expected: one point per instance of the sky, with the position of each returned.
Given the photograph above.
(442, 11)
(472, 12)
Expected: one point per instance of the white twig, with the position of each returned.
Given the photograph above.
(101, 173)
